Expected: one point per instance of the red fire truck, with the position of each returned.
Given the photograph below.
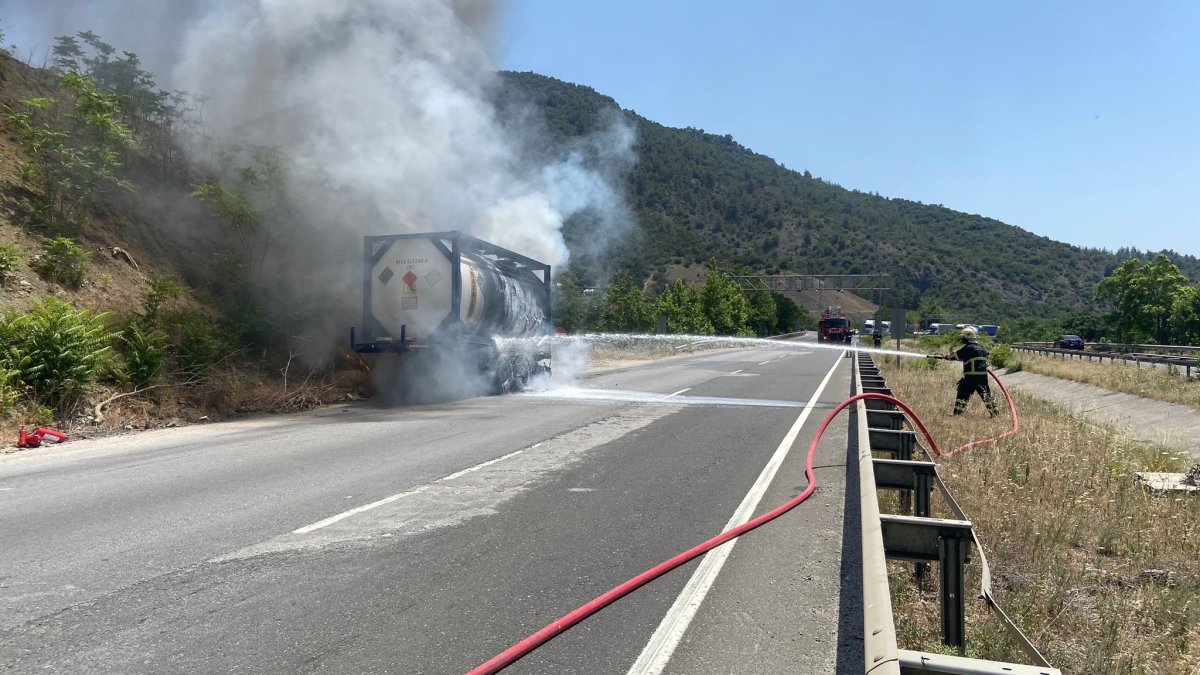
(834, 326)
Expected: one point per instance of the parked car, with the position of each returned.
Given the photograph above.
(1069, 342)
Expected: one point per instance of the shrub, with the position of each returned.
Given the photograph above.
(162, 290)
(1000, 356)
(10, 389)
(920, 364)
(10, 257)
(145, 351)
(55, 349)
(200, 344)
(64, 262)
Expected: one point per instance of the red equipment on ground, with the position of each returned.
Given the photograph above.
(834, 326)
(34, 439)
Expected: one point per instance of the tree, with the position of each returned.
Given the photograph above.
(724, 303)
(790, 317)
(1185, 315)
(569, 307)
(763, 319)
(626, 308)
(1089, 325)
(1143, 296)
(684, 308)
(930, 312)
(74, 157)
(233, 209)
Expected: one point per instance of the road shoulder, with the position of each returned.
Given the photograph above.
(1169, 424)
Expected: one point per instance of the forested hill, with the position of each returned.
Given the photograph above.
(698, 195)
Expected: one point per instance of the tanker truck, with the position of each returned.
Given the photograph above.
(445, 307)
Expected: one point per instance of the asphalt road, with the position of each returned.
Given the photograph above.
(426, 539)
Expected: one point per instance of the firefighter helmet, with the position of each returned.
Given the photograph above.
(970, 333)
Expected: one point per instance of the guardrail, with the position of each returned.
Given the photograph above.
(917, 538)
(1180, 357)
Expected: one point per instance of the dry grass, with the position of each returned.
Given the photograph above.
(1101, 574)
(226, 393)
(1146, 381)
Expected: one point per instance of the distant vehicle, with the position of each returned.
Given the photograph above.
(989, 329)
(834, 326)
(1069, 342)
(941, 328)
(869, 326)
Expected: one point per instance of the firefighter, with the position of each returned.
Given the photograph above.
(877, 338)
(975, 373)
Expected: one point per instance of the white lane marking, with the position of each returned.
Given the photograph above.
(736, 371)
(477, 467)
(388, 500)
(670, 631)
(765, 362)
(676, 393)
(365, 507)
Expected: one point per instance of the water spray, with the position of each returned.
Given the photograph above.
(573, 353)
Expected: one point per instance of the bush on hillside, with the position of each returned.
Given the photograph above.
(145, 352)
(55, 350)
(199, 341)
(10, 257)
(64, 262)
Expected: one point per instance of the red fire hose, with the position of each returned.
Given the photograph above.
(1012, 408)
(555, 628)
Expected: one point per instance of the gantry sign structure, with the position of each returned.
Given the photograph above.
(815, 282)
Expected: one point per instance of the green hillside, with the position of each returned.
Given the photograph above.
(698, 195)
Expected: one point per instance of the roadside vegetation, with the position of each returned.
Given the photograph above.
(1171, 384)
(86, 136)
(1100, 573)
(717, 307)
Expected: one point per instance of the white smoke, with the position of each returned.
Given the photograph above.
(385, 108)
(392, 102)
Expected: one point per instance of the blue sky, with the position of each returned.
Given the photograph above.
(1079, 121)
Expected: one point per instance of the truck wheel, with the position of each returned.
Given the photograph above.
(504, 379)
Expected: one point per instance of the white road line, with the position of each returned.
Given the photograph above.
(736, 371)
(388, 500)
(676, 393)
(477, 467)
(662, 644)
(765, 362)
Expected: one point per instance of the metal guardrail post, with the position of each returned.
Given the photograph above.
(947, 542)
(922, 508)
(953, 560)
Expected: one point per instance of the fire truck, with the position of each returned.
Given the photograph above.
(834, 326)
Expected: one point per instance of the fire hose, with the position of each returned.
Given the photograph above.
(1012, 409)
(555, 628)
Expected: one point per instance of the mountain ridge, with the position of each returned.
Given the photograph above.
(698, 195)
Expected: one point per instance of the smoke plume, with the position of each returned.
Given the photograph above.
(391, 104)
(386, 116)
(385, 110)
